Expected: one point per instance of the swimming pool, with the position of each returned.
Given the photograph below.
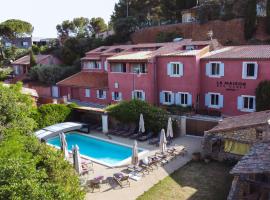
(101, 151)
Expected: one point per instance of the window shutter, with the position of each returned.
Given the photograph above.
(143, 96)
(189, 100)
(104, 94)
(113, 96)
(169, 69)
(221, 101)
(181, 69)
(240, 103)
(207, 69)
(254, 104)
(87, 92)
(177, 98)
(161, 97)
(97, 94)
(172, 98)
(256, 71)
(99, 65)
(207, 99)
(120, 96)
(244, 71)
(221, 69)
(132, 95)
(106, 65)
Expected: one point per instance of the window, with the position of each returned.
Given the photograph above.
(175, 69)
(116, 96)
(25, 44)
(118, 67)
(214, 100)
(246, 103)
(190, 47)
(101, 94)
(183, 99)
(8, 44)
(250, 70)
(215, 69)
(93, 65)
(87, 93)
(167, 98)
(138, 94)
(139, 68)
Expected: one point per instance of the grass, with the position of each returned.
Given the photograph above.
(194, 181)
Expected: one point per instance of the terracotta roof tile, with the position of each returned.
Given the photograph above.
(86, 79)
(25, 60)
(240, 52)
(242, 121)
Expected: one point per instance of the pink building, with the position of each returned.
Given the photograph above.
(188, 73)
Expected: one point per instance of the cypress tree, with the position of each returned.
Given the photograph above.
(32, 59)
(268, 17)
(250, 18)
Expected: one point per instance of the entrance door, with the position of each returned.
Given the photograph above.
(75, 93)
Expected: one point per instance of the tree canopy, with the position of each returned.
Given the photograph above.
(15, 28)
(263, 96)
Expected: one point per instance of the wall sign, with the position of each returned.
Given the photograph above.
(231, 85)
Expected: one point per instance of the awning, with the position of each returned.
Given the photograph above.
(54, 130)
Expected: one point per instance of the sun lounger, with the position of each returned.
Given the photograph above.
(114, 131)
(96, 183)
(136, 136)
(136, 169)
(146, 137)
(122, 179)
(154, 141)
(130, 132)
(124, 130)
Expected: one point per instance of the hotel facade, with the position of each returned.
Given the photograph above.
(201, 74)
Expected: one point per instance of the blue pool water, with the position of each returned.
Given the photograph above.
(100, 150)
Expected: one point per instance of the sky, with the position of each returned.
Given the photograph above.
(45, 15)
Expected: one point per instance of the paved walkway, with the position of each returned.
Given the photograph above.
(114, 192)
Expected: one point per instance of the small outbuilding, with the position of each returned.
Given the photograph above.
(233, 137)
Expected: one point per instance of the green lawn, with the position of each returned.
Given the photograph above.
(194, 181)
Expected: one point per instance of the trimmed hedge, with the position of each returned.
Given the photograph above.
(129, 112)
(50, 114)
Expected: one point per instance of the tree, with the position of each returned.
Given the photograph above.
(268, 17)
(13, 28)
(32, 59)
(263, 96)
(250, 19)
(4, 72)
(98, 25)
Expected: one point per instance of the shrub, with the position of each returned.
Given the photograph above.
(129, 112)
(50, 114)
(178, 110)
(263, 96)
(32, 170)
(51, 74)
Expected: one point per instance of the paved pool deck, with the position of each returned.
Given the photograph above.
(137, 188)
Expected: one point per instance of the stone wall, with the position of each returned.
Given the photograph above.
(226, 32)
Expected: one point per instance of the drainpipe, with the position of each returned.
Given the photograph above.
(156, 97)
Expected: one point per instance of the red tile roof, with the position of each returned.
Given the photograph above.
(240, 52)
(242, 121)
(25, 60)
(86, 79)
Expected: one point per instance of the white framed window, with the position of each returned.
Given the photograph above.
(139, 68)
(116, 96)
(250, 70)
(93, 65)
(87, 93)
(214, 100)
(8, 44)
(215, 69)
(183, 99)
(118, 67)
(138, 94)
(246, 103)
(175, 69)
(25, 44)
(101, 94)
(190, 47)
(166, 98)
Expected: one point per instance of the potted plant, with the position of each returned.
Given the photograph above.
(196, 156)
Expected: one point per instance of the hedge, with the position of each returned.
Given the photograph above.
(129, 112)
(49, 114)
